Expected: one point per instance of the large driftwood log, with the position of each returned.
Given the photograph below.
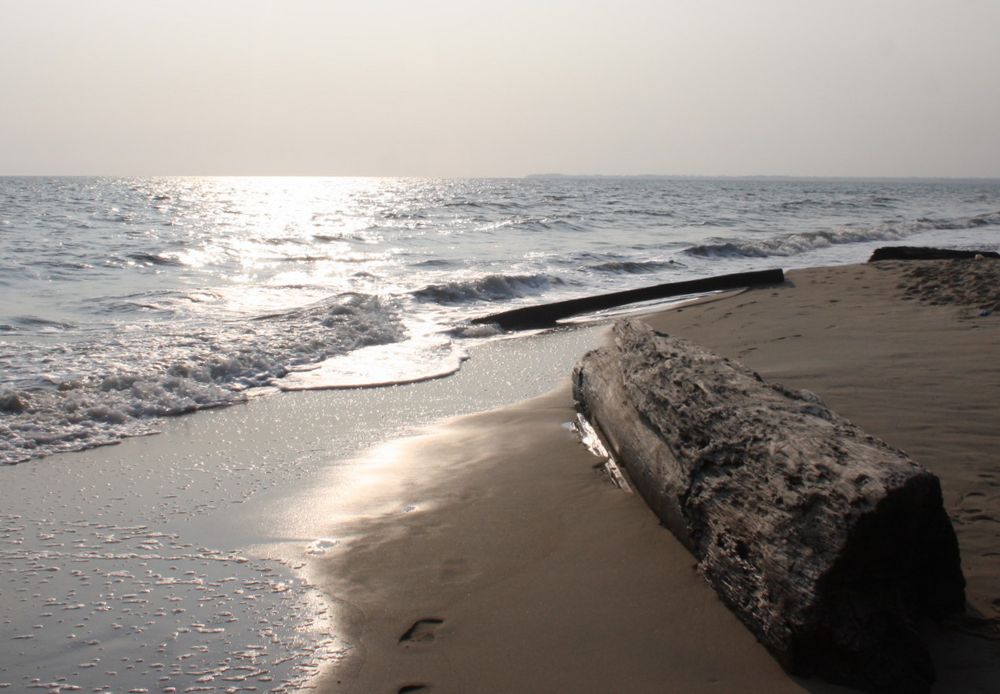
(825, 541)
(546, 315)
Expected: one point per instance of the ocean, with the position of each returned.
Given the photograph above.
(127, 300)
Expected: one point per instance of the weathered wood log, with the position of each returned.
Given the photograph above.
(925, 253)
(546, 315)
(826, 542)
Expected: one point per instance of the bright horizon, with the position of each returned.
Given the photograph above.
(895, 88)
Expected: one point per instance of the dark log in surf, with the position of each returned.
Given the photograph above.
(925, 253)
(546, 315)
(826, 542)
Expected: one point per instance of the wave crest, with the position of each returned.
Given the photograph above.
(794, 244)
(488, 288)
(213, 366)
(632, 267)
(155, 259)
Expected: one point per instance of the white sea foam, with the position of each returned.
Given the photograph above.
(97, 398)
(410, 361)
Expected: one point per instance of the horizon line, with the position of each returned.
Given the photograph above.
(553, 175)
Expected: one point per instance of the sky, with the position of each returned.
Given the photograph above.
(489, 88)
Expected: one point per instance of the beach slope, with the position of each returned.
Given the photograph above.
(489, 555)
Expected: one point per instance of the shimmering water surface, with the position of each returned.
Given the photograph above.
(125, 300)
(173, 564)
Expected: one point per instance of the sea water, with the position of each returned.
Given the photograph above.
(126, 300)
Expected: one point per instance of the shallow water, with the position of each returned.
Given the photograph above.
(179, 562)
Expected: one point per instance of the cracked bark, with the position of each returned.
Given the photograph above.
(826, 542)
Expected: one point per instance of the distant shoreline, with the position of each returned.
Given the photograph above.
(513, 177)
(762, 177)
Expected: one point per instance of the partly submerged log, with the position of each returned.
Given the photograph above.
(546, 315)
(925, 253)
(826, 542)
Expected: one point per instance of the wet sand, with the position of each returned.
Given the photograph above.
(516, 566)
(180, 562)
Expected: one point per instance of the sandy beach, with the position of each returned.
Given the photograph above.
(518, 567)
(356, 540)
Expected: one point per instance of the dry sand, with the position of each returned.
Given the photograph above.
(519, 569)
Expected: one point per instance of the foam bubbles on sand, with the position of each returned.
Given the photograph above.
(321, 546)
(116, 575)
(419, 359)
(129, 608)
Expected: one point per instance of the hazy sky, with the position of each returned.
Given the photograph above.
(467, 87)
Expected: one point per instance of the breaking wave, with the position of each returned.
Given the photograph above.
(97, 399)
(794, 244)
(632, 267)
(539, 224)
(488, 288)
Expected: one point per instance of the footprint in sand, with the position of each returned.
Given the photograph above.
(422, 631)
